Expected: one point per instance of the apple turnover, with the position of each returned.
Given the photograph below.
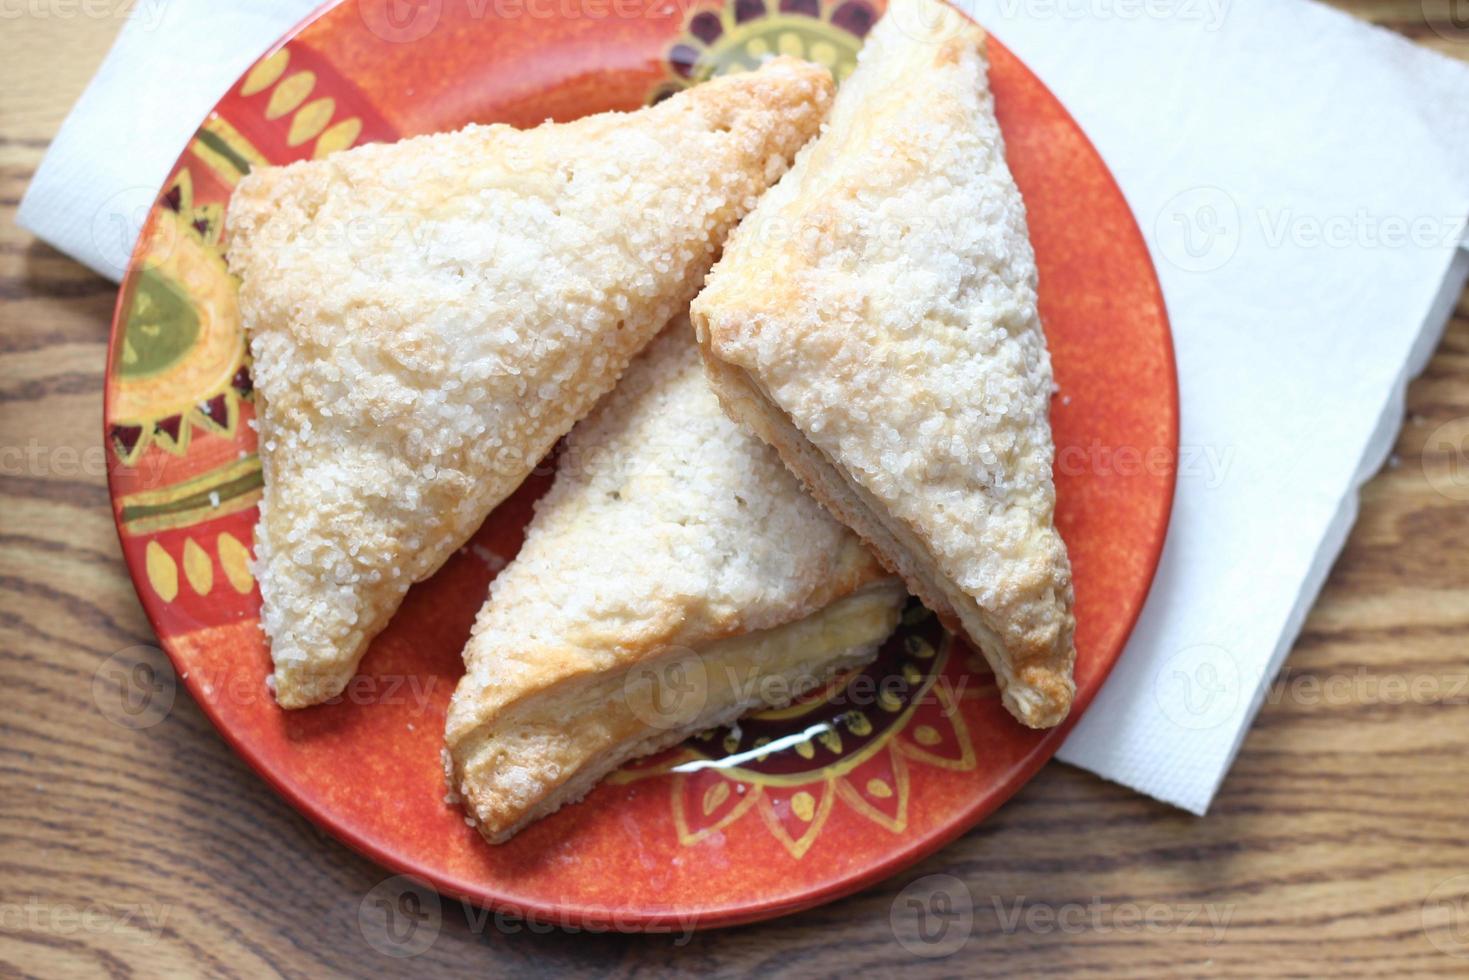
(675, 577)
(874, 319)
(426, 319)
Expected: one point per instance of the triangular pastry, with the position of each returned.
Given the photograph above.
(428, 317)
(874, 318)
(675, 577)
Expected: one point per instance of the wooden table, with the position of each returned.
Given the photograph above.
(157, 851)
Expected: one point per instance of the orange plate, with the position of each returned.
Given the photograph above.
(899, 768)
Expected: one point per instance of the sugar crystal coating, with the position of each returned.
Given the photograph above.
(428, 317)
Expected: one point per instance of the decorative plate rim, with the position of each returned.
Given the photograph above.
(505, 898)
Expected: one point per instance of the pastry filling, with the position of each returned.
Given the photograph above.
(552, 748)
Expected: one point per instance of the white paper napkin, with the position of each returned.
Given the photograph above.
(172, 61)
(1302, 179)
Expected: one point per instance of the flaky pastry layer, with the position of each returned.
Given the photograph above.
(557, 743)
(428, 317)
(874, 318)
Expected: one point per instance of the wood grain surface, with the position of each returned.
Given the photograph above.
(1333, 848)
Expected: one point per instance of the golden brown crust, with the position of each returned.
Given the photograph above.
(428, 317)
(875, 319)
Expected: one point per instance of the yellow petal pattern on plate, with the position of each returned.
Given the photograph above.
(264, 75)
(338, 137)
(234, 558)
(804, 804)
(289, 94)
(163, 571)
(717, 794)
(311, 120)
(198, 569)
